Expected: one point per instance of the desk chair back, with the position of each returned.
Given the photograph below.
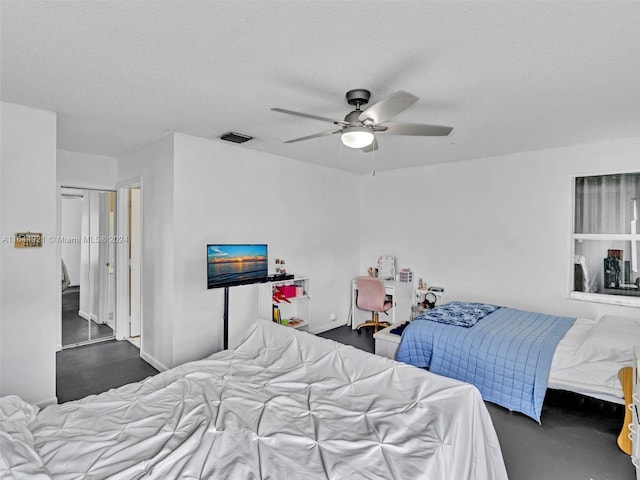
(371, 295)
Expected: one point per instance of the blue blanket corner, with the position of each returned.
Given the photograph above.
(507, 355)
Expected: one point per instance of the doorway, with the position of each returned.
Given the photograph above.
(135, 264)
(130, 276)
(88, 265)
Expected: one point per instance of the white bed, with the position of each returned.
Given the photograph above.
(589, 357)
(283, 405)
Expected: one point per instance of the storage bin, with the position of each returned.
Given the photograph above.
(299, 291)
(406, 276)
(288, 290)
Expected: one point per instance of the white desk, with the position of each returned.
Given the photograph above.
(401, 295)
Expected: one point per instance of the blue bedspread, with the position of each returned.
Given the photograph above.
(507, 355)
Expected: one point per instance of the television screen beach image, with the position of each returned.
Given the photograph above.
(229, 265)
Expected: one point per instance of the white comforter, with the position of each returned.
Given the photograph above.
(283, 405)
(592, 353)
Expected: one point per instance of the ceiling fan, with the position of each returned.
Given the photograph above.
(358, 127)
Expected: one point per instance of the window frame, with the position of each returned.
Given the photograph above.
(622, 300)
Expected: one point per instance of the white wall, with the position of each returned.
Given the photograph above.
(494, 229)
(197, 191)
(84, 170)
(154, 163)
(307, 215)
(30, 279)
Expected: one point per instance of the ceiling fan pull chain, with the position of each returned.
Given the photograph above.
(373, 163)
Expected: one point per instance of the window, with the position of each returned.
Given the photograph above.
(606, 238)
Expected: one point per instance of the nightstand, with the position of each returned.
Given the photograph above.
(387, 343)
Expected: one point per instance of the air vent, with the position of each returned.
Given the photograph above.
(235, 137)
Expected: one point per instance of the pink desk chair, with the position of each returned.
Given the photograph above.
(372, 297)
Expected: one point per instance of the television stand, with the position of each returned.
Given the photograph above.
(225, 319)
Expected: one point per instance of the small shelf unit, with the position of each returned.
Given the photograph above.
(296, 307)
(422, 292)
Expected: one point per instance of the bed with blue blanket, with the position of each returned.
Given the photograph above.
(506, 353)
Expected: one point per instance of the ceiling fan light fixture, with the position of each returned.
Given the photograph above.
(357, 137)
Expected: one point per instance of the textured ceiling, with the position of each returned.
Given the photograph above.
(508, 76)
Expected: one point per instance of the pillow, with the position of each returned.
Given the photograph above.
(18, 458)
(459, 314)
(611, 339)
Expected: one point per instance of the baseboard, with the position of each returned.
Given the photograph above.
(90, 316)
(153, 362)
(325, 326)
(46, 403)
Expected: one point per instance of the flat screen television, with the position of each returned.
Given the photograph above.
(236, 264)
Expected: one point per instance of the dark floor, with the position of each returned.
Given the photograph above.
(95, 368)
(363, 341)
(576, 441)
(76, 329)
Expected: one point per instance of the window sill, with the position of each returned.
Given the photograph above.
(625, 301)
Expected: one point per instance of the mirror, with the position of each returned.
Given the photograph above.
(88, 265)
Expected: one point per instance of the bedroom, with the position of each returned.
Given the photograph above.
(580, 101)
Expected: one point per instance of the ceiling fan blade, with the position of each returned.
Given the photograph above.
(309, 137)
(308, 115)
(420, 129)
(370, 148)
(388, 107)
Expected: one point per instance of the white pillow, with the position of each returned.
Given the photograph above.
(611, 339)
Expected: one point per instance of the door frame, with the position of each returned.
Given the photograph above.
(122, 258)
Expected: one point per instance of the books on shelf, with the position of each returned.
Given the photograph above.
(293, 322)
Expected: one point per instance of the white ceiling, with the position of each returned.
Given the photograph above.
(508, 76)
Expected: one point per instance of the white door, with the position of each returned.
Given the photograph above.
(134, 262)
(111, 294)
(105, 234)
(94, 256)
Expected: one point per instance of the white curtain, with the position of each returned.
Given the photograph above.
(604, 203)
